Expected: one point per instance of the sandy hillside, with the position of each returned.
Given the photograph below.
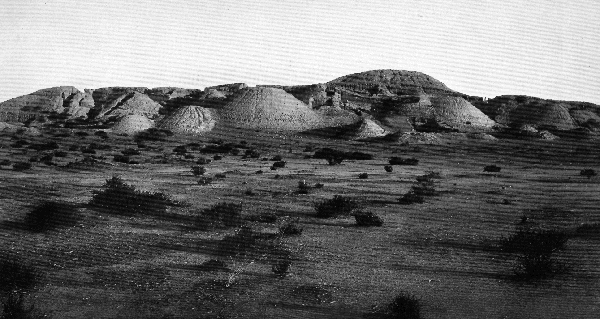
(189, 119)
(132, 123)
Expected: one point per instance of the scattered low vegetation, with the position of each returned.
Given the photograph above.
(290, 228)
(336, 206)
(263, 218)
(15, 308)
(198, 170)
(16, 273)
(589, 173)
(492, 169)
(131, 152)
(388, 168)
(403, 161)
(367, 219)
(49, 215)
(221, 215)
(404, 306)
(303, 187)
(363, 175)
(205, 180)
(203, 161)
(329, 153)
(21, 166)
(534, 249)
(119, 198)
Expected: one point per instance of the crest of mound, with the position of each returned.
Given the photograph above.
(131, 104)
(457, 112)
(132, 124)
(269, 109)
(397, 82)
(62, 99)
(368, 129)
(189, 119)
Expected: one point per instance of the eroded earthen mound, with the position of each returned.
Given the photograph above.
(132, 123)
(457, 112)
(387, 82)
(270, 109)
(130, 104)
(189, 119)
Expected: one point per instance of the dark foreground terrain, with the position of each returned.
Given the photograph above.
(147, 255)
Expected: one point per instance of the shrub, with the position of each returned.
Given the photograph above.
(141, 145)
(203, 161)
(334, 160)
(359, 156)
(34, 159)
(534, 249)
(74, 148)
(130, 152)
(5, 162)
(281, 267)
(337, 206)
(121, 159)
(405, 306)
(220, 175)
(277, 158)
(363, 175)
(214, 265)
(221, 215)
(303, 187)
(101, 134)
(428, 178)
(319, 185)
(198, 170)
(280, 164)
(48, 146)
(87, 150)
(153, 134)
(424, 188)
(367, 219)
(15, 308)
(16, 274)
(388, 168)
(82, 133)
(123, 199)
(217, 157)
(21, 166)
(19, 144)
(49, 215)
(403, 161)
(205, 180)
(259, 172)
(290, 228)
(60, 154)
(411, 198)
(589, 173)
(241, 245)
(47, 158)
(180, 150)
(252, 153)
(492, 169)
(249, 192)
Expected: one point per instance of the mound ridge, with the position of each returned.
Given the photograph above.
(270, 109)
(189, 119)
(456, 112)
(131, 104)
(387, 82)
(132, 123)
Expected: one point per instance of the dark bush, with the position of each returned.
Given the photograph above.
(141, 145)
(303, 187)
(326, 153)
(220, 175)
(249, 192)
(411, 198)
(337, 206)
(16, 274)
(429, 177)
(100, 147)
(280, 164)
(47, 158)
(101, 134)
(277, 158)
(74, 148)
(21, 166)
(198, 170)
(388, 168)
(217, 157)
(120, 198)
(130, 152)
(424, 188)
(363, 175)
(259, 172)
(218, 148)
(48, 146)
(252, 153)
(221, 215)
(492, 169)
(19, 144)
(203, 161)
(15, 308)
(214, 265)
(281, 267)
(34, 159)
(367, 219)
(153, 134)
(241, 245)
(534, 249)
(290, 228)
(403, 161)
(121, 159)
(359, 156)
(60, 154)
(5, 162)
(180, 150)
(205, 180)
(589, 173)
(405, 306)
(334, 160)
(82, 133)
(319, 185)
(50, 215)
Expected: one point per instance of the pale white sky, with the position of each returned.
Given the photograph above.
(542, 48)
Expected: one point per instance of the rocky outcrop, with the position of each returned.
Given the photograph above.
(189, 119)
(57, 100)
(134, 103)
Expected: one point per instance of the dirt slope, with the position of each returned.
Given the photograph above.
(62, 99)
(132, 123)
(189, 119)
(131, 104)
(389, 82)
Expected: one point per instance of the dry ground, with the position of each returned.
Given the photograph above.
(443, 251)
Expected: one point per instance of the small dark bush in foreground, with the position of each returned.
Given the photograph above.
(198, 170)
(217, 157)
(589, 173)
(82, 133)
(120, 198)
(388, 168)
(214, 265)
(5, 162)
(101, 134)
(303, 187)
(280, 164)
(334, 160)
(337, 206)
(16, 274)
(205, 180)
(221, 215)
(319, 185)
(534, 249)
(492, 169)
(121, 159)
(49, 215)
(312, 294)
(21, 166)
(327, 153)
(180, 150)
(405, 306)
(403, 161)
(281, 267)
(130, 152)
(220, 175)
(290, 228)
(263, 218)
(363, 175)
(60, 154)
(367, 219)
(203, 161)
(240, 245)
(277, 158)
(48, 146)
(19, 144)
(15, 308)
(429, 177)
(411, 198)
